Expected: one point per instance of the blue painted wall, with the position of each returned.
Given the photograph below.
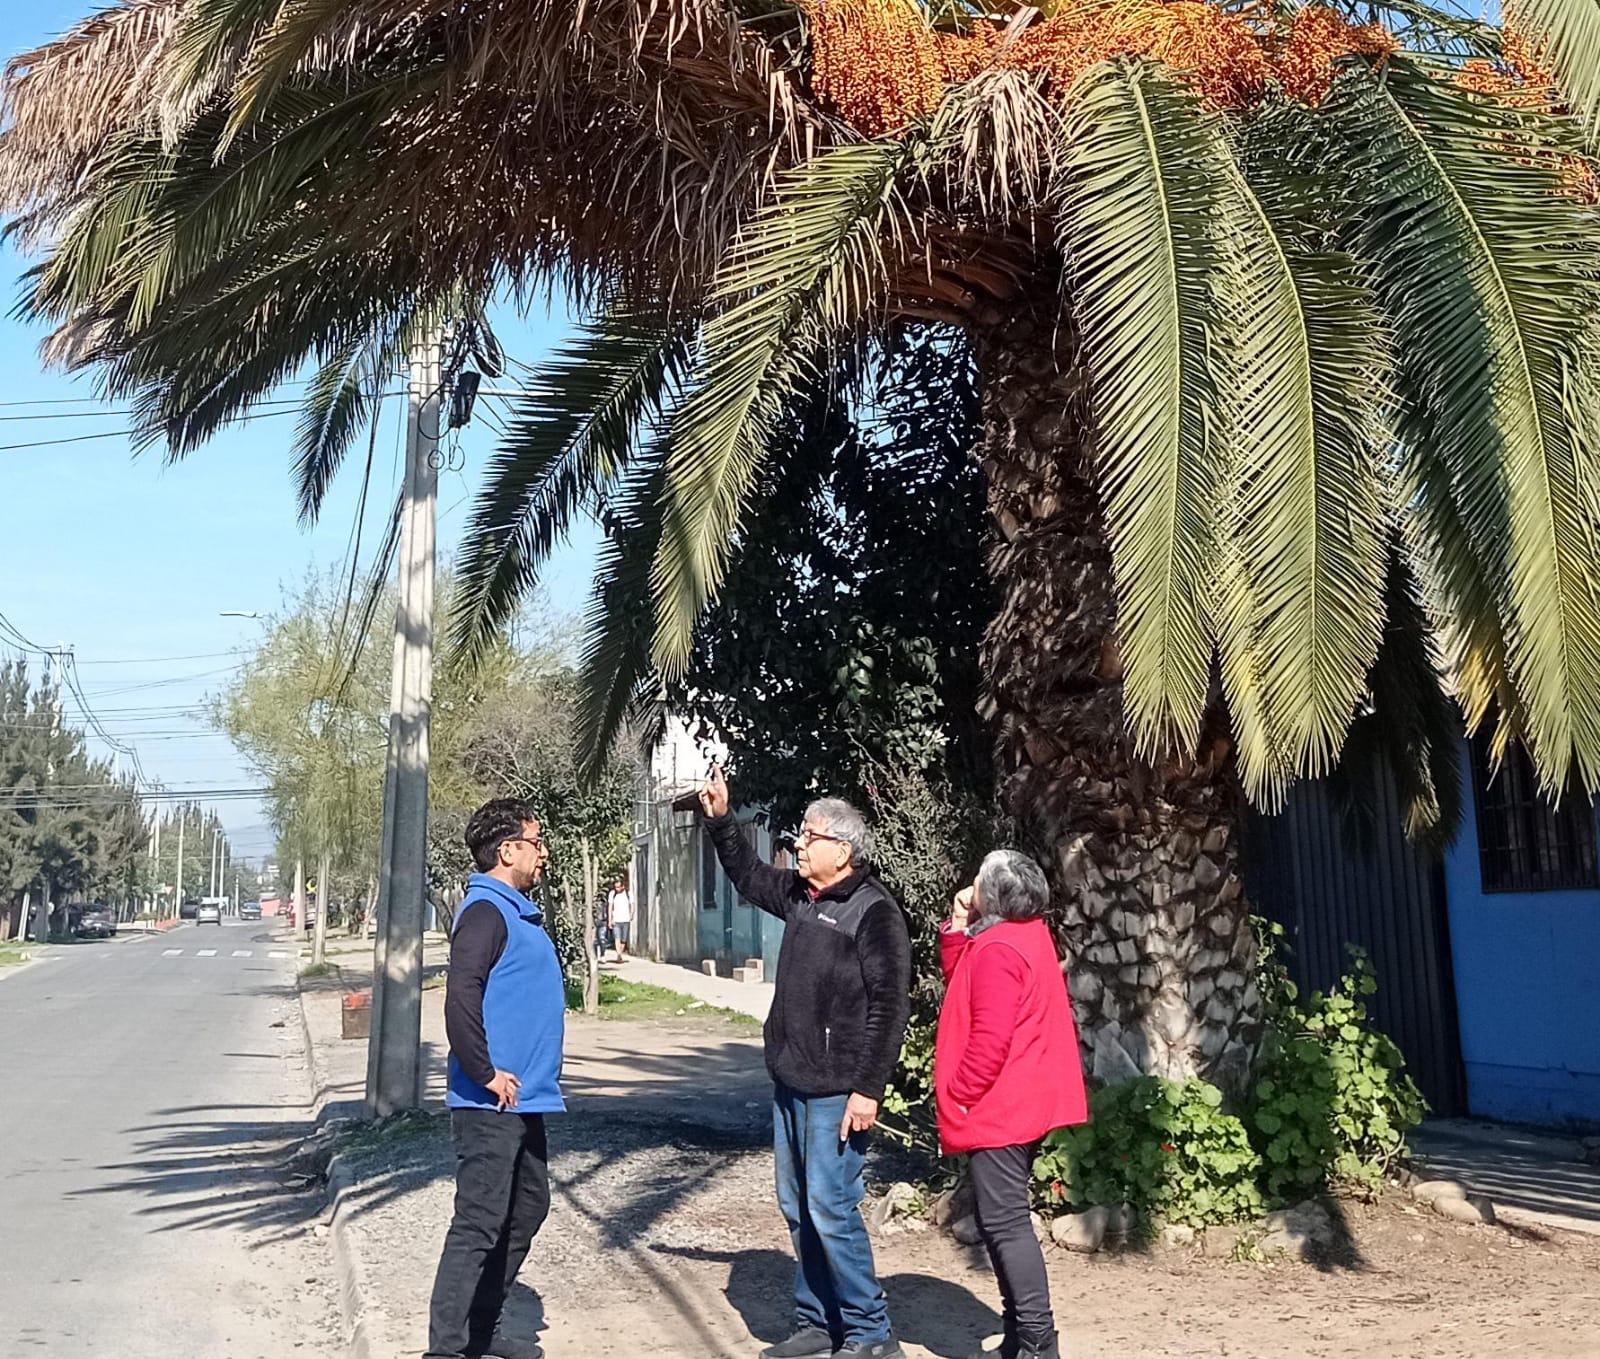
(1527, 973)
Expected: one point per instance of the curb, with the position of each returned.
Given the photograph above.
(11, 969)
(365, 1333)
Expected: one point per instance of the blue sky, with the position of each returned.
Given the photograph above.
(131, 561)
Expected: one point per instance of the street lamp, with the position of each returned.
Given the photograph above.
(237, 613)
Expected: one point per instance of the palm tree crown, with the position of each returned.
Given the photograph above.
(1331, 278)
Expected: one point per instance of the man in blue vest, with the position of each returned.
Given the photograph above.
(505, 1011)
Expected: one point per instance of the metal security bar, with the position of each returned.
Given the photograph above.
(1524, 843)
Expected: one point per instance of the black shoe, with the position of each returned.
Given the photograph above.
(1042, 1348)
(871, 1349)
(809, 1342)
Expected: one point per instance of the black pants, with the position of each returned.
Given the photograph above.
(1000, 1177)
(502, 1199)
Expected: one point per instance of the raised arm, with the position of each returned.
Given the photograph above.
(758, 883)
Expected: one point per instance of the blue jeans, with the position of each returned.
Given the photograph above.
(821, 1181)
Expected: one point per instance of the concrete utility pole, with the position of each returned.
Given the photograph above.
(319, 933)
(394, 1062)
(177, 881)
(299, 894)
(41, 929)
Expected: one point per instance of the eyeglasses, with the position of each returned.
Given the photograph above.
(537, 841)
(804, 834)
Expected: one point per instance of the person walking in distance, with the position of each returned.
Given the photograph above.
(505, 1012)
(838, 1016)
(619, 918)
(1006, 1071)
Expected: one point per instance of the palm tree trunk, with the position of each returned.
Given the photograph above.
(1142, 856)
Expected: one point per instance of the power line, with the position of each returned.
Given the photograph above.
(160, 660)
(125, 411)
(126, 433)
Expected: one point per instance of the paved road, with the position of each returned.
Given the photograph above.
(149, 1090)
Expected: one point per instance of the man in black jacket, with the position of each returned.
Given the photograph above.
(838, 1017)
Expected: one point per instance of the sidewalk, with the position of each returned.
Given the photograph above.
(664, 1240)
(1534, 1179)
(661, 1115)
(748, 998)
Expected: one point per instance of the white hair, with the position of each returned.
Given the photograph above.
(838, 818)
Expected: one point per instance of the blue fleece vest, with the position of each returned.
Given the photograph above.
(524, 1007)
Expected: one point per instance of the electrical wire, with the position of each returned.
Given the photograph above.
(128, 433)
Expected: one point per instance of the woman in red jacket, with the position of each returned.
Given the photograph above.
(1006, 1071)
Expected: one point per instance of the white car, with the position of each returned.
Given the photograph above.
(208, 914)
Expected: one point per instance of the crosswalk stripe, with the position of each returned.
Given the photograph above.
(241, 953)
(171, 952)
(206, 953)
(276, 954)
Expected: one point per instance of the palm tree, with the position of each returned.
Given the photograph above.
(1285, 321)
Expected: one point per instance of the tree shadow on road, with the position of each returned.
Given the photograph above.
(219, 1169)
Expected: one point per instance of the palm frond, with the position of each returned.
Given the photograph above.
(1305, 399)
(1145, 173)
(1490, 274)
(619, 626)
(1570, 32)
(343, 397)
(1413, 722)
(809, 266)
(576, 426)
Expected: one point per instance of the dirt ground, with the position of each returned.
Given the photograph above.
(664, 1240)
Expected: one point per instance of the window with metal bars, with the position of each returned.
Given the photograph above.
(1524, 843)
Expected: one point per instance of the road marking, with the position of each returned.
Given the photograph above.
(171, 952)
(241, 953)
(276, 954)
(206, 953)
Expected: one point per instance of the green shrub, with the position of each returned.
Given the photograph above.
(1168, 1148)
(1329, 1101)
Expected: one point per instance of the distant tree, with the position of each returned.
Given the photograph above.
(67, 825)
(522, 742)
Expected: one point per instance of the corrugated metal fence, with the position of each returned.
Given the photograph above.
(1330, 886)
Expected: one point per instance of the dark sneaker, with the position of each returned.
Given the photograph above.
(1044, 1348)
(810, 1342)
(871, 1349)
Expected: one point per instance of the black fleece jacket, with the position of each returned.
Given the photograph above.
(844, 973)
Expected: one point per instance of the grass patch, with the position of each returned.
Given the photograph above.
(641, 1000)
(11, 956)
(318, 970)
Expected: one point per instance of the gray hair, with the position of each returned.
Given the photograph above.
(840, 819)
(1010, 887)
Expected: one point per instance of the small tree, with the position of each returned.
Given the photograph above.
(522, 743)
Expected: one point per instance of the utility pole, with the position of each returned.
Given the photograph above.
(177, 881)
(299, 897)
(394, 1061)
(155, 868)
(41, 929)
(222, 866)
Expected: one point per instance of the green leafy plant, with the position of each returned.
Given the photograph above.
(1330, 1102)
(1166, 1147)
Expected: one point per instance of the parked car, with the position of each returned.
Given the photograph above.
(249, 910)
(187, 910)
(208, 913)
(97, 921)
